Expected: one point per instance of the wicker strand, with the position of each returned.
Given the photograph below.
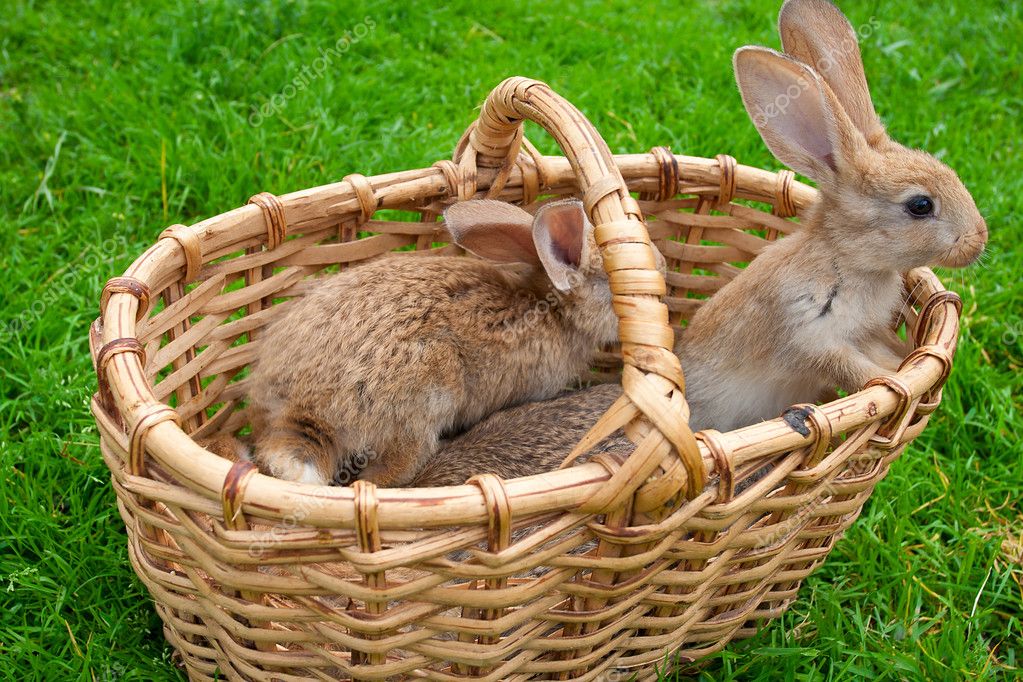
(146, 418)
(531, 168)
(126, 285)
(504, 172)
(191, 248)
(499, 525)
(668, 177)
(939, 298)
(692, 236)
(819, 429)
(726, 191)
(784, 202)
(232, 493)
(722, 464)
(367, 529)
(103, 357)
(932, 397)
(276, 229)
(192, 388)
(364, 193)
(453, 179)
(116, 347)
(273, 216)
(891, 430)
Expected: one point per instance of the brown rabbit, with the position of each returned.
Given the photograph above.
(377, 363)
(524, 440)
(534, 438)
(817, 308)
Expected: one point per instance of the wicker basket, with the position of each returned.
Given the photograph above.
(257, 578)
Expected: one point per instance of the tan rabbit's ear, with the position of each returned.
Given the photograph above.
(794, 111)
(493, 230)
(559, 232)
(817, 33)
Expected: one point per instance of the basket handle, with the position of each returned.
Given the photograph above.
(652, 377)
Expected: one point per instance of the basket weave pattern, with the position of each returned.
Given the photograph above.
(615, 563)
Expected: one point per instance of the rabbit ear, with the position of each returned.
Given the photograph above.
(817, 33)
(493, 230)
(559, 232)
(794, 111)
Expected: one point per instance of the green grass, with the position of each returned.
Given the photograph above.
(118, 120)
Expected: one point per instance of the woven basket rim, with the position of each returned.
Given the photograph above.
(205, 474)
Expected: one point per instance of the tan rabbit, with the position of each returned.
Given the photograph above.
(816, 310)
(376, 364)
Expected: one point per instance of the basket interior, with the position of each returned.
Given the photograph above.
(199, 365)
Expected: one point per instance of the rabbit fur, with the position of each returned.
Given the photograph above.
(376, 364)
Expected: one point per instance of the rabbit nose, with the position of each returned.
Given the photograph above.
(980, 229)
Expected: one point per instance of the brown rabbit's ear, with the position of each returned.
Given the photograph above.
(559, 232)
(794, 111)
(817, 33)
(493, 230)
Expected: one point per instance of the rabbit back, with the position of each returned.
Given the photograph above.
(525, 440)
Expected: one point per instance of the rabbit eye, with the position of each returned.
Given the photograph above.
(920, 206)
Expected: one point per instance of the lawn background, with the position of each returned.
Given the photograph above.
(119, 119)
